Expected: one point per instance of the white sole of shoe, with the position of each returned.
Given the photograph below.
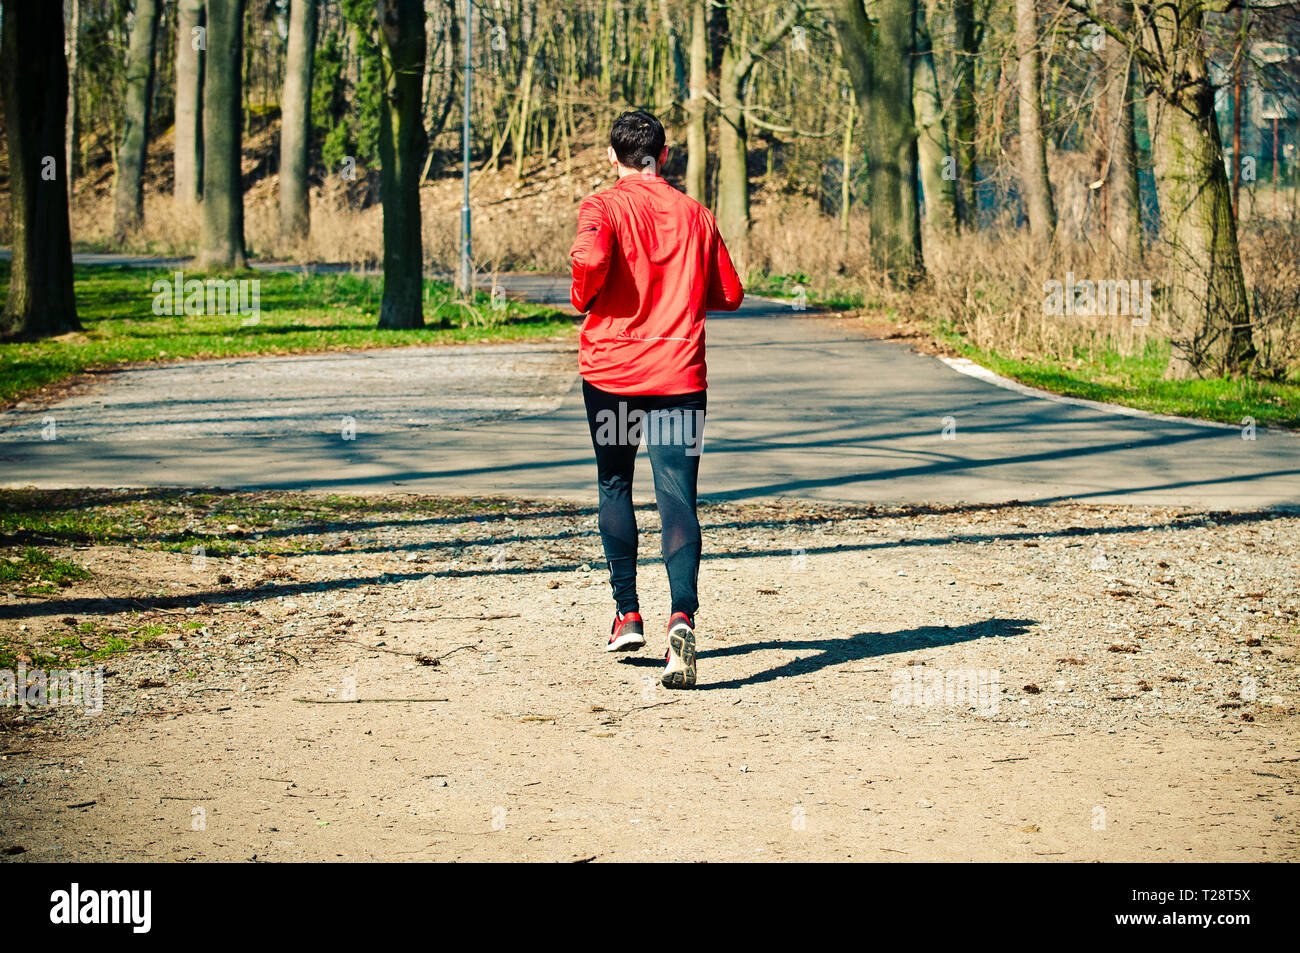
(627, 642)
(680, 672)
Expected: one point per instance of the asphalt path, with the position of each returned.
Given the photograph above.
(800, 405)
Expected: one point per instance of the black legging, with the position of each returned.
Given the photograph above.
(673, 427)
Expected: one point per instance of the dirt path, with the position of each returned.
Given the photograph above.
(1065, 683)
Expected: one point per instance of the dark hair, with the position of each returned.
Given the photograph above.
(636, 137)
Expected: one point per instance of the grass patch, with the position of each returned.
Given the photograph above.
(1137, 380)
(33, 571)
(81, 644)
(11, 653)
(787, 286)
(222, 523)
(298, 314)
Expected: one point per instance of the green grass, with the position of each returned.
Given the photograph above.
(77, 644)
(33, 571)
(1137, 380)
(784, 286)
(1106, 375)
(13, 652)
(299, 313)
(179, 520)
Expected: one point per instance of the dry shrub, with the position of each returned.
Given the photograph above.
(529, 226)
(340, 234)
(168, 228)
(992, 288)
(1268, 257)
(507, 239)
(791, 235)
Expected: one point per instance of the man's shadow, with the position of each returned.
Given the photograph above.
(852, 648)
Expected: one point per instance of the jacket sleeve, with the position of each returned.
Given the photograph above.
(725, 290)
(591, 253)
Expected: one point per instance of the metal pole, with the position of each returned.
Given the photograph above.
(1274, 175)
(466, 270)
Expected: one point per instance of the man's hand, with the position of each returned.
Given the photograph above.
(725, 290)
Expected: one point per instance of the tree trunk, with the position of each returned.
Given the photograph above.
(73, 41)
(879, 63)
(938, 165)
(401, 150)
(675, 65)
(519, 132)
(295, 122)
(608, 39)
(697, 132)
(846, 178)
(733, 162)
(221, 243)
(187, 157)
(738, 59)
(964, 113)
(34, 84)
(1033, 146)
(1122, 194)
(1209, 310)
(128, 191)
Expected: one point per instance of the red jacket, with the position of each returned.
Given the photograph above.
(647, 263)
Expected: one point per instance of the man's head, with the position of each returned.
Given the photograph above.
(636, 143)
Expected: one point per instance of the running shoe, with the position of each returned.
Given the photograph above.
(680, 664)
(626, 634)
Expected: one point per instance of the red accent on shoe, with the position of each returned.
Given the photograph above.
(620, 620)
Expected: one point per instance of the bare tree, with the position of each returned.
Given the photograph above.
(1208, 307)
(738, 59)
(1036, 185)
(295, 122)
(221, 244)
(128, 191)
(938, 165)
(1124, 209)
(879, 59)
(697, 131)
(187, 156)
(401, 149)
(34, 84)
(72, 45)
(968, 39)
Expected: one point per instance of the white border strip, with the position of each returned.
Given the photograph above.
(963, 365)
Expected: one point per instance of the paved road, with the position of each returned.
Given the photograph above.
(799, 406)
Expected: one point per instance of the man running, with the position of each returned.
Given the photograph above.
(647, 263)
